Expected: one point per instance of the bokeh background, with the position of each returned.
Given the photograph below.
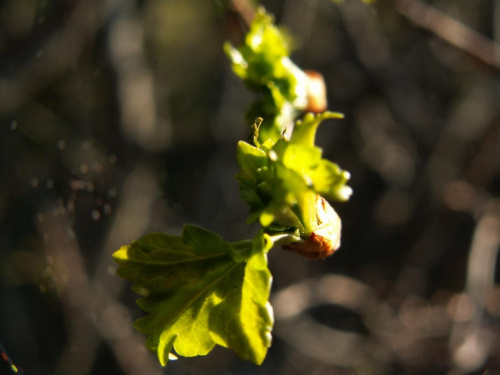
(120, 118)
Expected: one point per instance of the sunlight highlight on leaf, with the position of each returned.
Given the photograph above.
(200, 291)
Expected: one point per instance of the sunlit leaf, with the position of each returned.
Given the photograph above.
(280, 180)
(190, 283)
(305, 129)
(200, 290)
(263, 63)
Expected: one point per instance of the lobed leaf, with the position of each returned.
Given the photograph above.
(199, 291)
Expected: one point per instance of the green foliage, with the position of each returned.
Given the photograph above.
(200, 290)
(264, 64)
(280, 180)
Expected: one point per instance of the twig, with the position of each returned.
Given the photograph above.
(89, 307)
(452, 31)
(317, 340)
(470, 342)
(135, 81)
(130, 221)
(245, 9)
(394, 335)
(61, 51)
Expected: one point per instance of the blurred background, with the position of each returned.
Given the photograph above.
(118, 118)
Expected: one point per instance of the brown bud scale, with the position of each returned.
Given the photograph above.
(325, 239)
(316, 92)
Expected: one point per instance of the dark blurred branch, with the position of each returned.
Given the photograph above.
(399, 335)
(484, 167)
(57, 55)
(496, 21)
(470, 341)
(245, 8)
(130, 221)
(316, 340)
(406, 100)
(484, 252)
(452, 31)
(89, 307)
(135, 79)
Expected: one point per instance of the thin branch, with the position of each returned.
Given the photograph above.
(58, 54)
(89, 307)
(245, 9)
(450, 30)
(470, 342)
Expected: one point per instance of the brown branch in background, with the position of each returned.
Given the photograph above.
(245, 8)
(56, 56)
(401, 334)
(135, 82)
(131, 219)
(316, 340)
(471, 341)
(452, 31)
(88, 307)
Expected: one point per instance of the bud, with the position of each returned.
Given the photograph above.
(316, 92)
(325, 239)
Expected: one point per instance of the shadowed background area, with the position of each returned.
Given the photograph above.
(119, 118)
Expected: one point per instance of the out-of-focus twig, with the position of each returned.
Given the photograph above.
(470, 341)
(395, 335)
(135, 80)
(484, 166)
(245, 9)
(130, 221)
(317, 340)
(88, 306)
(408, 102)
(59, 53)
(452, 31)
(496, 22)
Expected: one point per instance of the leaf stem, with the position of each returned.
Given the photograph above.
(284, 238)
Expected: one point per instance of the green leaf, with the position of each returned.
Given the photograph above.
(263, 62)
(250, 158)
(330, 181)
(233, 323)
(199, 291)
(297, 157)
(305, 130)
(280, 180)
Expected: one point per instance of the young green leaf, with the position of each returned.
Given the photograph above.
(263, 63)
(200, 291)
(280, 180)
(305, 130)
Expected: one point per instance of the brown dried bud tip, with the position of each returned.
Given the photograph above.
(325, 239)
(316, 92)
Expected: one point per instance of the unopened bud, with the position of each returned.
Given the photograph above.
(325, 239)
(316, 92)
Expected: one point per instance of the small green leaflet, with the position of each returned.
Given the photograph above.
(263, 63)
(199, 291)
(281, 180)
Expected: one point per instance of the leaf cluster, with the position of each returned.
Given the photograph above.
(280, 180)
(200, 290)
(264, 65)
